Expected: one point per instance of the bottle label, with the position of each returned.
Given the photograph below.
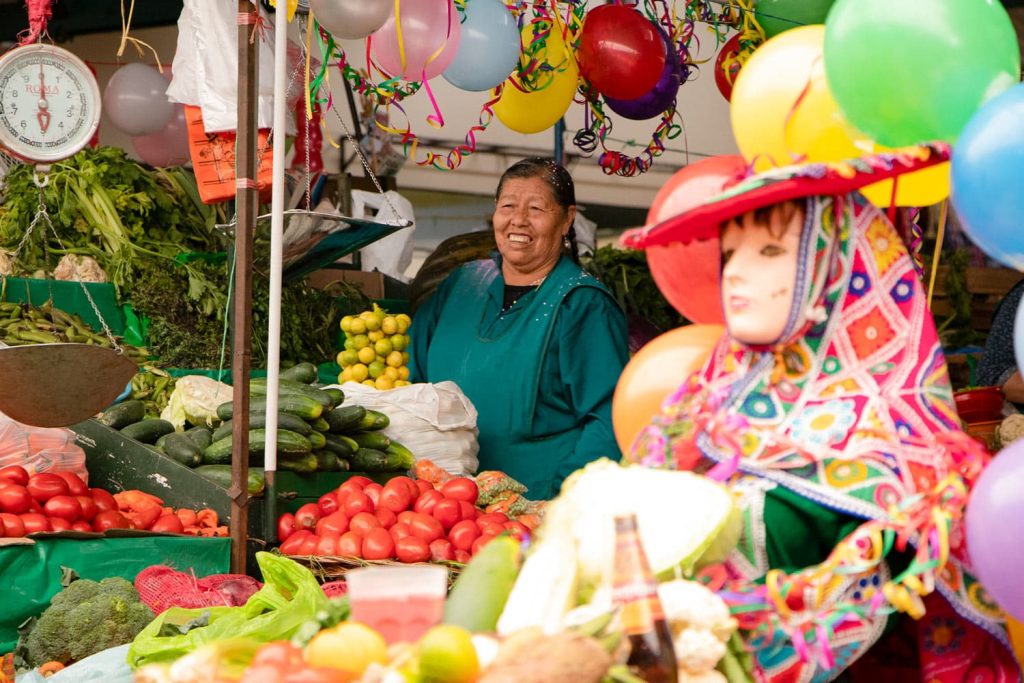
(641, 607)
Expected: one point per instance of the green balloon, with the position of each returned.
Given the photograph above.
(776, 16)
(912, 71)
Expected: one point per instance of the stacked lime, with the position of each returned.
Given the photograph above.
(375, 352)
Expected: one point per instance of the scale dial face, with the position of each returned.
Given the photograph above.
(49, 103)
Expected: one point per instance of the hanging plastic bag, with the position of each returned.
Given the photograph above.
(290, 596)
(40, 449)
(391, 255)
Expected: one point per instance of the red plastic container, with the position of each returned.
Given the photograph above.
(983, 404)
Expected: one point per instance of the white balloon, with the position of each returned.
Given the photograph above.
(135, 100)
(351, 19)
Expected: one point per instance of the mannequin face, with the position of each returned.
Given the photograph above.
(759, 260)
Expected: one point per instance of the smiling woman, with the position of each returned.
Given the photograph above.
(508, 331)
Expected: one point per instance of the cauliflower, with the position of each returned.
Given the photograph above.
(80, 269)
(6, 263)
(700, 624)
(1011, 429)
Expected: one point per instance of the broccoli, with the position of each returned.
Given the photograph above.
(85, 618)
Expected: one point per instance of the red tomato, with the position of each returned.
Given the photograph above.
(462, 557)
(447, 512)
(426, 527)
(490, 527)
(406, 517)
(81, 525)
(335, 523)
(308, 546)
(316, 674)
(15, 473)
(328, 503)
(110, 519)
(386, 517)
(461, 488)
(411, 549)
(395, 497)
(481, 542)
(363, 523)
(493, 517)
(168, 524)
(58, 524)
(35, 523)
(11, 525)
(280, 654)
(426, 502)
(350, 545)
(285, 526)
(307, 516)
(104, 500)
(75, 483)
(89, 508)
(468, 510)
(295, 541)
(407, 483)
(378, 545)
(45, 486)
(328, 544)
(348, 488)
(422, 485)
(15, 498)
(464, 534)
(518, 529)
(400, 530)
(373, 492)
(358, 502)
(64, 507)
(359, 480)
(441, 550)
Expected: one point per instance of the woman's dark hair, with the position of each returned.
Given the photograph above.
(557, 179)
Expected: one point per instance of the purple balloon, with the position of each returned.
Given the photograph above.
(995, 536)
(661, 96)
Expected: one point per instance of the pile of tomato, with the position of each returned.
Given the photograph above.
(406, 520)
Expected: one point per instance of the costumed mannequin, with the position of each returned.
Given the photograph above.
(827, 408)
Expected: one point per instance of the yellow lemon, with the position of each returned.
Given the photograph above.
(403, 372)
(360, 341)
(384, 382)
(372, 322)
(405, 357)
(383, 347)
(399, 342)
(345, 376)
(394, 359)
(349, 344)
(404, 322)
(447, 654)
(359, 372)
(401, 383)
(346, 323)
(370, 383)
(375, 336)
(350, 647)
(366, 355)
(357, 326)
(389, 325)
(391, 372)
(348, 357)
(376, 369)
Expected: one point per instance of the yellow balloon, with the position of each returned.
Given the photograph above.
(782, 109)
(922, 188)
(1016, 638)
(533, 112)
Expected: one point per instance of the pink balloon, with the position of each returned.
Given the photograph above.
(166, 147)
(427, 27)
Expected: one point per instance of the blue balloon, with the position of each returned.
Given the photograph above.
(1018, 336)
(489, 48)
(988, 164)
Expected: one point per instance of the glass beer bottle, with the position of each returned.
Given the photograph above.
(652, 656)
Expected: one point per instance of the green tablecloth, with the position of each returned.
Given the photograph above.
(30, 574)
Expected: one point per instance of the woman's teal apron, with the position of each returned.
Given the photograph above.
(496, 359)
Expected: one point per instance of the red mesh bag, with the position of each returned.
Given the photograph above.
(161, 588)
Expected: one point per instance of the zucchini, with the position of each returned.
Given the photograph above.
(374, 440)
(345, 419)
(300, 372)
(326, 461)
(373, 421)
(293, 404)
(321, 425)
(200, 436)
(148, 431)
(288, 443)
(342, 446)
(258, 387)
(317, 440)
(123, 414)
(303, 464)
(259, 421)
(336, 394)
(182, 450)
(221, 476)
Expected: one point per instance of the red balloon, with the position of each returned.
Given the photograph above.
(621, 52)
(688, 273)
(726, 79)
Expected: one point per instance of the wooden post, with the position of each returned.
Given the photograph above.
(246, 198)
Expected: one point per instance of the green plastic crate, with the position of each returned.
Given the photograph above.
(69, 297)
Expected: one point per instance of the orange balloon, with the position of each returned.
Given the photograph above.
(658, 369)
(1016, 638)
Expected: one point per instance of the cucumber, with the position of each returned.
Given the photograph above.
(258, 387)
(288, 443)
(402, 455)
(221, 476)
(478, 597)
(123, 414)
(321, 425)
(259, 421)
(326, 461)
(340, 445)
(345, 419)
(373, 421)
(316, 440)
(148, 431)
(200, 436)
(300, 372)
(303, 464)
(182, 450)
(371, 460)
(377, 442)
(336, 394)
(159, 445)
(293, 404)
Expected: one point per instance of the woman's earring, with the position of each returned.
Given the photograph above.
(565, 242)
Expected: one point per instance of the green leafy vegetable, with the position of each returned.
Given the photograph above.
(625, 273)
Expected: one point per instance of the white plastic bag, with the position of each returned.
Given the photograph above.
(391, 255)
(40, 449)
(436, 422)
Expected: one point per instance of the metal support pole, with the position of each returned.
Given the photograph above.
(246, 198)
(559, 155)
